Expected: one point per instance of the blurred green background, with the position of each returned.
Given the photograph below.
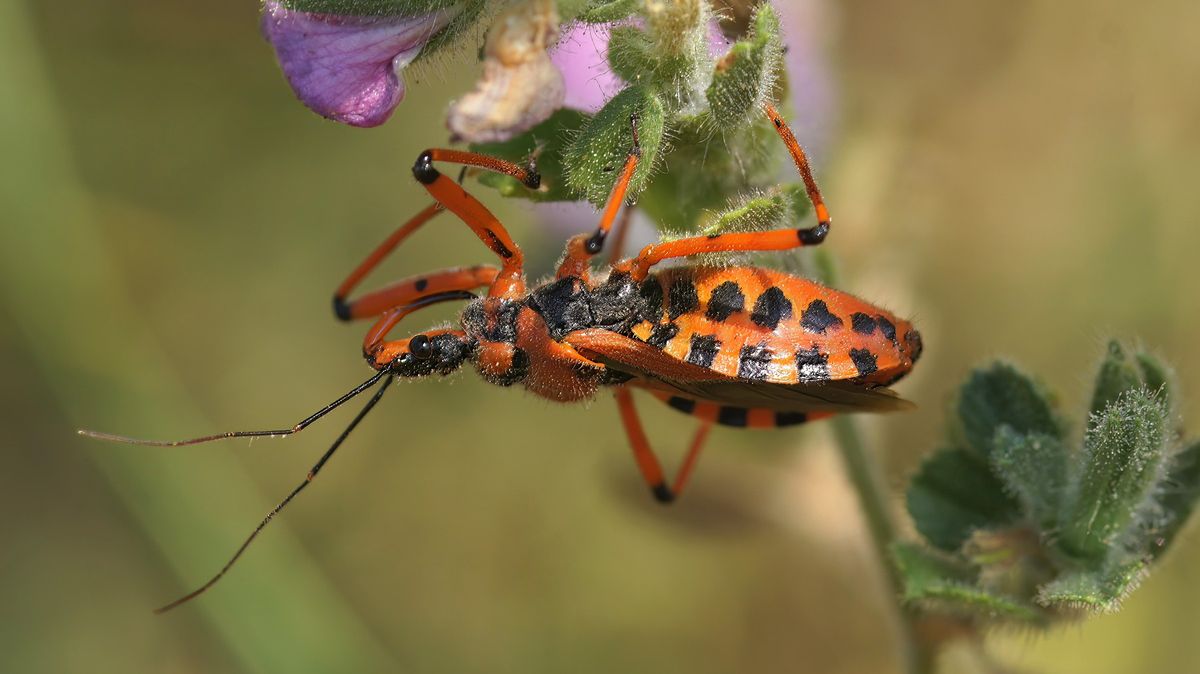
(1020, 177)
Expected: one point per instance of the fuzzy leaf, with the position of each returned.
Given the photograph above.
(1123, 450)
(1034, 469)
(1095, 592)
(1180, 494)
(604, 12)
(594, 159)
(546, 143)
(704, 169)
(933, 581)
(1002, 395)
(775, 208)
(953, 494)
(744, 78)
(1117, 375)
(668, 55)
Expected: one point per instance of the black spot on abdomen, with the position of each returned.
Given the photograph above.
(703, 350)
(790, 418)
(816, 318)
(733, 416)
(888, 330)
(685, 405)
(771, 308)
(726, 300)
(811, 365)
(864, 361)
(862, 323)
(754, 362)
(662, 333)
(682, 298)
(652, 300)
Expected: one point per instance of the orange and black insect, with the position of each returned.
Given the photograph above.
(737, 346)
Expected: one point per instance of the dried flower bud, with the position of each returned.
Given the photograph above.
(520, 86)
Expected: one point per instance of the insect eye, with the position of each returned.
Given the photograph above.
(420, 347)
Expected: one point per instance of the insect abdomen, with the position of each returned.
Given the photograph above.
(764, 325)
(737, 417)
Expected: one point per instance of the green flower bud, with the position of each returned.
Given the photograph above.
(745, 77)
(1117, 375)
(1123, 452)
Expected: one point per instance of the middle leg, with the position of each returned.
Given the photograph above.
(647, 462)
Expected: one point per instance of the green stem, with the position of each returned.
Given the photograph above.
(864, 475)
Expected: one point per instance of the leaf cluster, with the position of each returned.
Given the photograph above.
(708, 155)
(1022, 524)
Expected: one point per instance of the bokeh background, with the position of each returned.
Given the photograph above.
(1019, 176)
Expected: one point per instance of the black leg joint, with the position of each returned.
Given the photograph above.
(423, 169)
(663, 493)
(341, 308)
(596, 243)
(533, 179)
(813, 235)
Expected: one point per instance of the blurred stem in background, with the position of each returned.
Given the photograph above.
(57, 281)
(920, 646)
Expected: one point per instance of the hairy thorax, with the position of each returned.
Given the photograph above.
(520, 341)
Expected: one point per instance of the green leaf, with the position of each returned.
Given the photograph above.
(1002, 395)
(745, 77)
(1096, 591)
(704, 169)
(455, 33)
(1034, 469)
(775, 208)
(934, 582)
(546, 143)
(604, 12)
(954, 494)
(669, 55)
(1117, 375)
(594, 159)
(1123, 451)
(1180, 493)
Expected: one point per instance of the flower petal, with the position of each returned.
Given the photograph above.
(347, 68)
(582, 57)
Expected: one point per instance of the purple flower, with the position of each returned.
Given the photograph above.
(582, 58)
(347, 68)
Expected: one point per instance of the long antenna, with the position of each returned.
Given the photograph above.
(241, 434)
(312, 473)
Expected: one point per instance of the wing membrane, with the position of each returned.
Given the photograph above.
(653, 369)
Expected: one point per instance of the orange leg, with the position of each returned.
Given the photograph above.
(644, 455)
(346, 310)
(801, 162)
(381, 352)
(782, 239)
(414, 288)
(483, 224)
(509, 282)
(580, 249)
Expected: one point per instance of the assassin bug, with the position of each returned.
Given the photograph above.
(737, 346)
